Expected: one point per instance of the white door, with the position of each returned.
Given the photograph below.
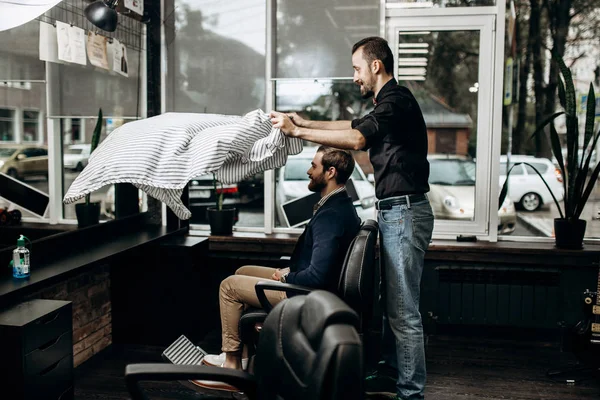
(447, 61)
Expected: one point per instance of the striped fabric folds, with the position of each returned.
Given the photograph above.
(161, 154)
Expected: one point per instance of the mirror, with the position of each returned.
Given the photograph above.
(21, 156)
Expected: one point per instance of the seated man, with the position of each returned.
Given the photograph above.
(316, 261)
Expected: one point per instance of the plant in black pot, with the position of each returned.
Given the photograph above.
(221, 219)
(88, 213)
(579, 177)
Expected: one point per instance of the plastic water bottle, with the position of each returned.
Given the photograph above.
(21, 266)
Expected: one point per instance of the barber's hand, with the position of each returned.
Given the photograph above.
(283, 122)
(279, 273)
(296, 119)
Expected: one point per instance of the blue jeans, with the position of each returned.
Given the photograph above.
(405, 235)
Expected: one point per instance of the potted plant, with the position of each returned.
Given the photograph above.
(578, 182)
(220, 219)
(88, 213)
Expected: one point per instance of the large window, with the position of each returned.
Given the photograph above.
(23, 144)
(315, 37)
(323, 100)
(32, 130)
(531, 96)
(217, 66)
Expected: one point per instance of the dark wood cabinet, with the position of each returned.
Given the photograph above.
(36, 347)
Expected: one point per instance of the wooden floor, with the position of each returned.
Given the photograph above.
(459, 368)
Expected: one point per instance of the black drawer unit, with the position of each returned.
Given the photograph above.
(36, 350)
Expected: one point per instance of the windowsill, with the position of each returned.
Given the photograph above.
(541, 253)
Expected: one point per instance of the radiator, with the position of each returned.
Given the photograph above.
(497, 296)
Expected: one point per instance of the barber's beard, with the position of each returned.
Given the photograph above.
(317, 183)
(366, 89)
(366, 93)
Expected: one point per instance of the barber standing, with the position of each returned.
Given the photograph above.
(396, 136)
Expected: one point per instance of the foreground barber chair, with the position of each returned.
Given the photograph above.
(357, 286)
(309, 348)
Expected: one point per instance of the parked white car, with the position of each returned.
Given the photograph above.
(292, 183)
(452, 192)
(525, 188)
(76, 156)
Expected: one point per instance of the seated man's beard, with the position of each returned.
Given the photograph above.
(317, 184)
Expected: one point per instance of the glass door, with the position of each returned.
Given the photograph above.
(447, 63)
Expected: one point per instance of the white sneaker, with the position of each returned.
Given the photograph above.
(217, 360)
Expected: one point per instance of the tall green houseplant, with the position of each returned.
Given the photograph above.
(94, 144)
(579, 176)
(88, 213)
(218, 194)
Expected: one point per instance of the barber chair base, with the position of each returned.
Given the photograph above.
(223, 394)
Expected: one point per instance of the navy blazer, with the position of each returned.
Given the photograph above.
(320, 251)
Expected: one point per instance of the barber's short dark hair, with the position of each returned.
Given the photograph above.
(341, 160)
(376, 48)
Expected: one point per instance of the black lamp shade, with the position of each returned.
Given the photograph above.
(102, 15)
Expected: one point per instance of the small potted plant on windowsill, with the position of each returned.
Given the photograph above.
(221, 219)
(88, 213)
(579, 176)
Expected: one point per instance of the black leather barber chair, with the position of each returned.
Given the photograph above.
(356, 286)
(309, 348)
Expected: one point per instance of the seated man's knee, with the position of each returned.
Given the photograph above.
(227, 284)
(243, 270)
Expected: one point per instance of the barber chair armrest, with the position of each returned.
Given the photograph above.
(261, 286)
(135, 373)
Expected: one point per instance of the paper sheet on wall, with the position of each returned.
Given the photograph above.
(71, 43)
(135, 5)
(48, 43)
(120, 62)
(96, 50)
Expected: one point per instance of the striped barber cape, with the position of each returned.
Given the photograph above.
(161, 154)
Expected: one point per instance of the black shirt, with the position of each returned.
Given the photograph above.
(396, 135)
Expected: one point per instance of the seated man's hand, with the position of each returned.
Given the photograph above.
(279, 273)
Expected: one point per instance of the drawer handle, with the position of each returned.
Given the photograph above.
(50, 368)
(48, 319)
(49, 344)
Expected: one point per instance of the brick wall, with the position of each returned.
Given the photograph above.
(92, 319)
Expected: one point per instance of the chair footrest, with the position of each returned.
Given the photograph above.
(183, 352)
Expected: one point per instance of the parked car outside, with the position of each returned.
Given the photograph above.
(593, 159)
(525, 188)
(76, 156)
(452, 192)
(20, 160)
(247, 192)
(292, 183)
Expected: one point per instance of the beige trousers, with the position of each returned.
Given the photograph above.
(237, 293)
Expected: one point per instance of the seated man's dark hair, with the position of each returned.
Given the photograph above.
(341, 160)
